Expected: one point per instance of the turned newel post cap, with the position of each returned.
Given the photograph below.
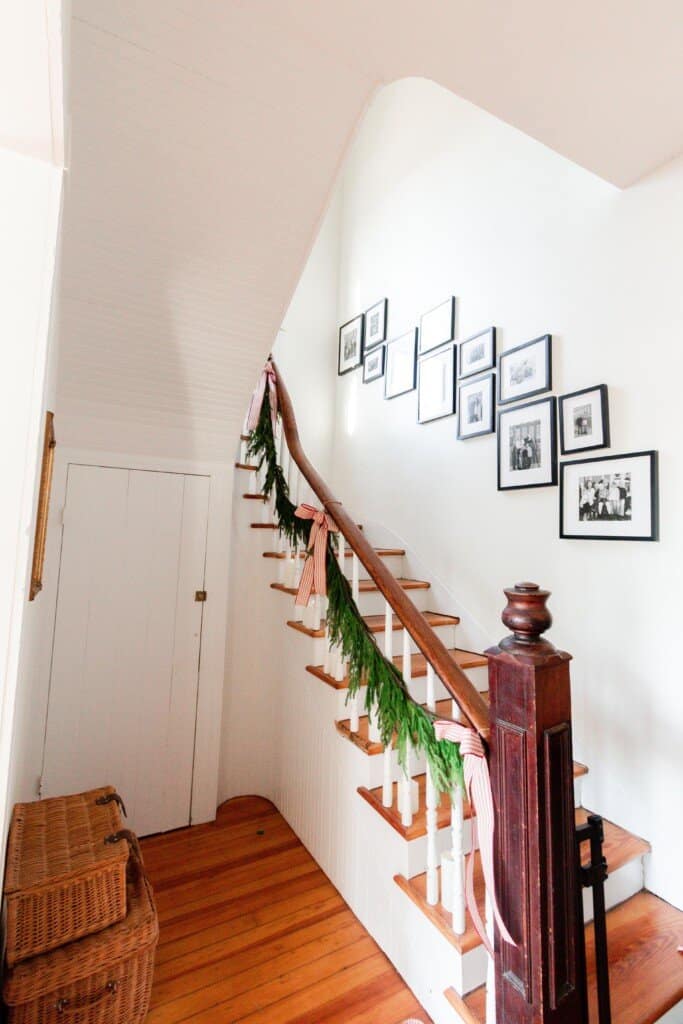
(526, 613)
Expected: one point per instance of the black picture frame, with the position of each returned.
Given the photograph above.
(489, 365)
(370, 340)
(449, 320)
(653, 478)
(438, 353)
(552, 426)
(604, 409)
(408, 338)
(546, 341)
(368, 375)
(489, 424)
(360, 319)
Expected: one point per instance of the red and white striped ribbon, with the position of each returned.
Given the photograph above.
(267, 378)
(478, 787)
(314, 575)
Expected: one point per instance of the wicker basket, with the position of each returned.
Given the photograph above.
(105, 978)
(62, 880)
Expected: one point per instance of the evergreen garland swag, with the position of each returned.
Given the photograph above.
(387, 694)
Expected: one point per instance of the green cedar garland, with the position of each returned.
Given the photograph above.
(396, 713)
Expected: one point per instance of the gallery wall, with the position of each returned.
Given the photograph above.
(439, 198)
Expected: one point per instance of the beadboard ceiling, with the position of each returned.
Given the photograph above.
(206, 138)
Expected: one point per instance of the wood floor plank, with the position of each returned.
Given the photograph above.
(251, 930)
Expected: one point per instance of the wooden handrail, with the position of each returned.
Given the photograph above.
(469, 699)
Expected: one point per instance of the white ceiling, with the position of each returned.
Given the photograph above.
(207, 137)
(599, 81)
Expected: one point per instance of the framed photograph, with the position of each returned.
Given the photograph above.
(350, 345)
(46, 466)
(376, 324)
(436, 385)
(477, 353)
(399, 375)
(373, 365)
(527, 445)
(525, 370)
(584, 420)
(476, 404)
(613, 497)
(437, 326)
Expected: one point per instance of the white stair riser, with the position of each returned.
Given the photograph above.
(373, 603)
(317, 652)
(621, 884)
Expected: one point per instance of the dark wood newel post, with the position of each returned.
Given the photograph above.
(542, 978)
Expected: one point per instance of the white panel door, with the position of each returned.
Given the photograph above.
(125, 666)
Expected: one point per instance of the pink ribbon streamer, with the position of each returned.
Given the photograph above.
(314, 575)
(269, 378)
(478, 787)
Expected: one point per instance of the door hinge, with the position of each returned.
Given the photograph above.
(200, 595)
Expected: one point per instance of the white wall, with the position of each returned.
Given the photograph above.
(29, 215)
(439, 198)
(32, 146)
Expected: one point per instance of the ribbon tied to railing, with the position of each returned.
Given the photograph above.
(314, 575)
(478, 788)
(268, 378)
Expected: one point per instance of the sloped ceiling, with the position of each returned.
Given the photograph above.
(206, 138)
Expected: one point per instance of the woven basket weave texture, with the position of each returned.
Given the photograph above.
(62, 880)
(105, 978)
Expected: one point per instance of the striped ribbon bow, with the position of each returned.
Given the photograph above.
(478, 787)
(314, 576)
(267, 378)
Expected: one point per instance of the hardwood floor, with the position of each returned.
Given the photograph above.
(251, 930)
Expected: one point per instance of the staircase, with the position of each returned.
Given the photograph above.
(418, 837)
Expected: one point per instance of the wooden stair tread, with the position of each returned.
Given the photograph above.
(365, 586)
(465, 659)
(375, 623)
(645, 969)
(264, 526)
(244, 465)
(361, 739)
(472, 1007)
(416, 890)
(619, 847)
(253, 497)
(381, 552)
(245, 437)
(419, 825)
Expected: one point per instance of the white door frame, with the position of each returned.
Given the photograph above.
(214, 622)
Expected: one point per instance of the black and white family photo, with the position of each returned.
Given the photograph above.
(583, 420)
(606, 497)
(475, 408)
(525, 445)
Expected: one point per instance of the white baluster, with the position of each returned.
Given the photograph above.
(431, 677)
(457, 893)
(405, 791)
(431, 802)
(387, 787)
(316, 615)
(405, 780)
(355, 577)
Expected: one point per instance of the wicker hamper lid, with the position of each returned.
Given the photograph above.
(54, 840)
(51, 971)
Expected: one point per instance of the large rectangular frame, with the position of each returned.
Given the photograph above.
(654, 494)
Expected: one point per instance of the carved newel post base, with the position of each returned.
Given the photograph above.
(542, 978)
